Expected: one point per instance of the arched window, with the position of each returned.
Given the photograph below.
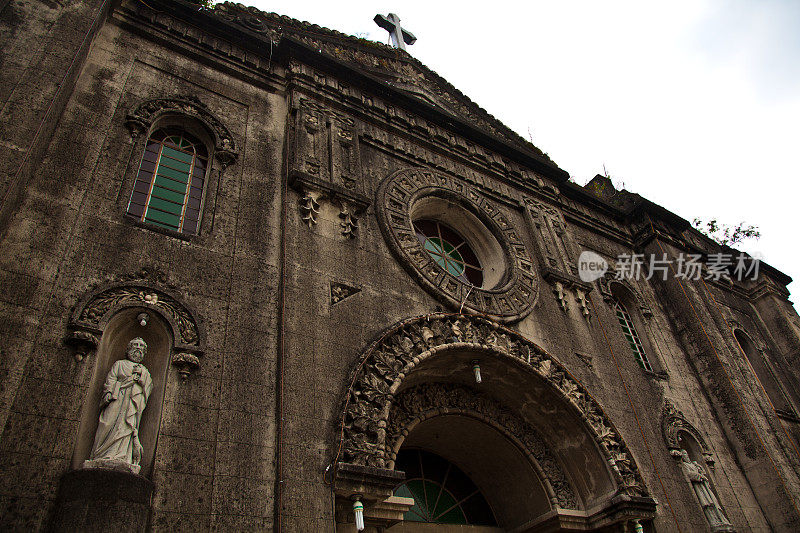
(629, 330)
(764, 374)
(168, 191)
(443, 494)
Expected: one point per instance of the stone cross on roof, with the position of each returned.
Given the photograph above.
(399, 35)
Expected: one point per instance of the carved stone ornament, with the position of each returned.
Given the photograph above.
(349, 222)
(511, 300)
(142, 118)
(82, 342)
(95, 309)
(583, 302)
(186, 363)
(426, 401)
(605, 283)
(561, 295)
(340, 291)
(314, 190)
(366, 418)
(672, 424)
(309, 206)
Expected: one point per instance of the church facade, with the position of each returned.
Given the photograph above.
(260, 275)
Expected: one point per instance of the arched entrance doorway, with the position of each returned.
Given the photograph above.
(535, 444)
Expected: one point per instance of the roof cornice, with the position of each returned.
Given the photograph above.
(290, 48)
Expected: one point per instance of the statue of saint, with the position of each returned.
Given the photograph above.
(702, 488)
(125, 393)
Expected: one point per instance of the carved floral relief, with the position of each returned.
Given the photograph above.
(368, 427)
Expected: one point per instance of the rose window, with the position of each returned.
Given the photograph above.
(461, 246)
(450, 251)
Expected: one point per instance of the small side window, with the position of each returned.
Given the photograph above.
(169, 186)
(629, 330)
(761, 368)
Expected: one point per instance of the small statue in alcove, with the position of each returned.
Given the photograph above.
(125, 393)
(702, 488)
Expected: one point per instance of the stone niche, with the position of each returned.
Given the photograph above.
(102, 499)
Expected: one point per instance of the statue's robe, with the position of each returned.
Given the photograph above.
(708, 501)
(117, 437)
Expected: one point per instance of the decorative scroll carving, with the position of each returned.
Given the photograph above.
(142, 118)
(186, 363)
(426, 401)
(510, 301)
(672, 424)
(389, 360)
(116, 296)
(82, 342)
(606, 284)
(309, 206)
(340, 291)
(94, 310)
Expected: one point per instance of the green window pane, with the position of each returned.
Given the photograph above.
(154, 215)
(160, 191)
(453, 516)
(454, 268)
(171, 185)
(177, 154)
(174, 164)
(442, 493)
(167, 206)
(159, 224)
(445, 505)
(181, 177)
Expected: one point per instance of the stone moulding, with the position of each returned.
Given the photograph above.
(382, 368)
(82, 342)
(606, 284)
(141, 119)
(512, 300)
(672, 424)
(94, 310)
(186, 363)
(313, 190)
(426, 401)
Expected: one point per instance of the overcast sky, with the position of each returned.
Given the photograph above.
(693, 104)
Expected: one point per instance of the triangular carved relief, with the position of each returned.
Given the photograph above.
(340, 291)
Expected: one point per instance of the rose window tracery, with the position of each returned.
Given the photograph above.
(450, 251)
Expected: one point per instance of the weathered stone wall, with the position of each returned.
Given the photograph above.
(288, 305)
(214, 461)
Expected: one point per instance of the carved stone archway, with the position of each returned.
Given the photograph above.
(673, 423)
(420, 403)
(609, 285)
(94, 310)
(142, 118)
(395, 387)
(387, 362)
